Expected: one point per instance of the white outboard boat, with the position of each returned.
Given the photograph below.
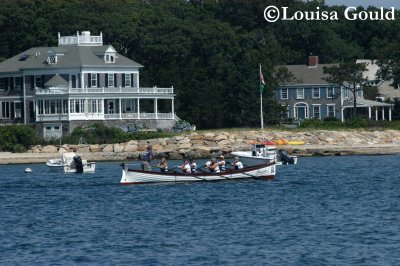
(262, 153)
(72, 163)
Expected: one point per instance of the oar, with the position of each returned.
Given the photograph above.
(203, 179)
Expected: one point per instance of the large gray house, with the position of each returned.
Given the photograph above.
(309, 96)
(79, 82)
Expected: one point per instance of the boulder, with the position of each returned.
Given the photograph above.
(118, 148)
(49, 149)
(175, 156)
(220, 137)
(223, 143)
(170, 147)
(142, 147)
(36, 149)
(94, 148)
(108, 148)
(184, 146)
(131, 147)
(83, 149)
(158, 147)
(209, 136)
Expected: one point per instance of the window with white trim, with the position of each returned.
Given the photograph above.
(77, 106)
(111, 80)
(315, 93)
(5, 109)
(284, 94)
(330, 92)
(128, 82)
(359, 92)
(300, 93)
(93, 80)
(316, 111)
(109, 58)
(330, 110)
(2, 84)
(17, 83)
(38, 82)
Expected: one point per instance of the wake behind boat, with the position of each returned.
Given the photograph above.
(131, 176)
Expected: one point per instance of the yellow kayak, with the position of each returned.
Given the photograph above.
(296, 142)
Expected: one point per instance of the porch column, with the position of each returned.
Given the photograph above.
(376, 113)
(369, 112)
(138, 108)
(383, 113)
(82, 80)
(36, 110)
(24, 91)
(156, 107)
(390, 113)
(120, 108)
(173, 110)
(342, 114)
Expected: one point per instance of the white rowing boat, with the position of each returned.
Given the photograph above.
(131, 176)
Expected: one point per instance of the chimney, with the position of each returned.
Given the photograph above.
(313, 61)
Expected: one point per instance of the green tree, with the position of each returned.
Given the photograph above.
(348, 75)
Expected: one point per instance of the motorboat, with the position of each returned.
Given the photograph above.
(263, 153)
(72, 163)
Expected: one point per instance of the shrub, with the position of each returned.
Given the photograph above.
(17, 138)
(181, 126)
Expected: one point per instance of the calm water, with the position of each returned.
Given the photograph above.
(323, 211)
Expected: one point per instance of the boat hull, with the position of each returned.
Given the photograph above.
(87, 168)
(130, 176)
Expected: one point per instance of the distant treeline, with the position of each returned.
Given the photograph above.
(209, 51)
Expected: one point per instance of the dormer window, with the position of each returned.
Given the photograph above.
(109, 58)
(52, 59)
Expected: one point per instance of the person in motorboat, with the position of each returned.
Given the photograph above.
(185, 167)
(237, 164)
(146, 159)
(222, 163)
(163, 165)
(213, 167)
(193, 166)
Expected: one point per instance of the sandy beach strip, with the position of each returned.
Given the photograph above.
(299, 150)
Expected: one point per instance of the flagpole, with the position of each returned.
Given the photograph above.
(261, 102)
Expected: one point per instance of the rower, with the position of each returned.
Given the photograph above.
(237, 164)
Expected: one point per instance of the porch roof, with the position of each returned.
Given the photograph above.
(366, 103)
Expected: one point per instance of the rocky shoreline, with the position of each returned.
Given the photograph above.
(206, 144)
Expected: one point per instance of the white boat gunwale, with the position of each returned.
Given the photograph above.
(202, 175)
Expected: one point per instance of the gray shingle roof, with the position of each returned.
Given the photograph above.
(74, 56)
(305, 75)
(56, 81)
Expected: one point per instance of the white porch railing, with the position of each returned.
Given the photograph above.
(60, 90)
(99, 116)
(51, 117)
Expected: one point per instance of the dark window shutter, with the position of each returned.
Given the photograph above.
(89, 80)
(98, 80)
(42, 78)
(32, 82)
(133, 84)
(7, 81)
(12, 83)
(106, 80)
(115, 80)
(123, 80)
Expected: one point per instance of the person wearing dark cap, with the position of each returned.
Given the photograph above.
(146, 159)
